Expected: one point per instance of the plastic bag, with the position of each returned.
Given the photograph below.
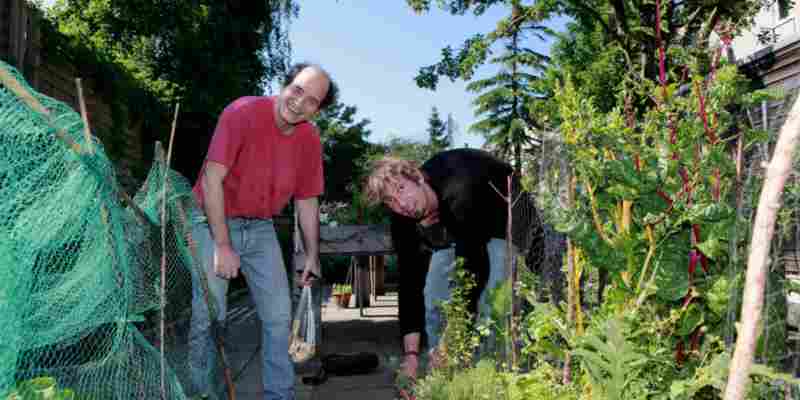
(302, 341)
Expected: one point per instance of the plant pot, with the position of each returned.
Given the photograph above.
(343, 300)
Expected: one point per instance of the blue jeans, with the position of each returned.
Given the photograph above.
(256, 242)
(437, 285)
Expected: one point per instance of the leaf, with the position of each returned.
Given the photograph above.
(705, 213)
(768, 372)
(690, 320)
(671, 263)
(712, 247)
(719, 296)
(610, 357)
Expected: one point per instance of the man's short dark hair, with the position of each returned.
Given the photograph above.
(333, 89)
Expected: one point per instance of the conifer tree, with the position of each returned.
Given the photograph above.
(438, 131)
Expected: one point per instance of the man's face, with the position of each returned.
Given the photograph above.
(406, 197)
(300, 100)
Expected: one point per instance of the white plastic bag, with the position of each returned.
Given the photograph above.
(303, 346)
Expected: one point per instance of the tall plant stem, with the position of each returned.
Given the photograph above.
(512, 275)
(596, 215)
(650, 252)
(567, 373)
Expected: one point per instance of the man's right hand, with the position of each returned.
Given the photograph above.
(226, 261)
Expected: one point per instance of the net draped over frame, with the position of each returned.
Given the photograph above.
(80, 268)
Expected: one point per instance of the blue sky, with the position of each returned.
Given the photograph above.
(373, 50)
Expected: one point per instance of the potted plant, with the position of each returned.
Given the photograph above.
(341, 294)
(336, 292)
(347, 291)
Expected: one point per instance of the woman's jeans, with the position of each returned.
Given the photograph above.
(437, 285)
(256, 243)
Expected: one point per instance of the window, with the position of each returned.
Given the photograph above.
(784, 7)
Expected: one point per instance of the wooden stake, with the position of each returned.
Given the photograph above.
(27, 97)
(215, 330)
(164, 190)
(87, 134)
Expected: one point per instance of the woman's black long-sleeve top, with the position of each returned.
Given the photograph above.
(468, 184)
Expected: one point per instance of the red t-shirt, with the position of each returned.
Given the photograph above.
(265, 167)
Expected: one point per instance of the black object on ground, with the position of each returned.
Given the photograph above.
(343, 365)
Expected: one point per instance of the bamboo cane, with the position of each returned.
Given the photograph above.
(215, 330)
(164, 189)
(87, 134)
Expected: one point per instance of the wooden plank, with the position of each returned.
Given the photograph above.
(355, 240)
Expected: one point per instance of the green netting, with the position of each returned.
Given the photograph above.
(81, 264)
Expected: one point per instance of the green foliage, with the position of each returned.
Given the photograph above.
(597, 69)
(440, 132)
(611, 360)
(236, 47)
(41, 388)
(342, 289)
(655, 189)
(459, 337)
(709, 381)
(479, 382)
(131, 103)
(505, 101)
(679, 200)
(711, 376)
(484, 381)
(345, 147)
(499, 299)
(407, 149)
(454, 6)
(542, 333)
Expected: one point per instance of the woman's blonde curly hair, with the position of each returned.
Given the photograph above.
(384, 171)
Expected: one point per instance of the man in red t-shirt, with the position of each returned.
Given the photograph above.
(264, 152)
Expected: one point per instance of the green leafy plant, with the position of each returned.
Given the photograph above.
(611, 360)
(459, 338)
(480, 382)
(654, 194)
(41, 388)
(339, 288)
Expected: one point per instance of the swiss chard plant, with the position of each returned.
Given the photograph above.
(656, 186)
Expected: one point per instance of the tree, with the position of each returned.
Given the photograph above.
(438, 132)
(505, 100)
(628, 25)
(345, 147)
(234, 46)
(409, 149)
(202, 53)
(451, 128)
(596, 68)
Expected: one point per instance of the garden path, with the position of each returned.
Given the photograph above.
(343, 331)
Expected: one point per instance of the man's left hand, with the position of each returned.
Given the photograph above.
(311, 271)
